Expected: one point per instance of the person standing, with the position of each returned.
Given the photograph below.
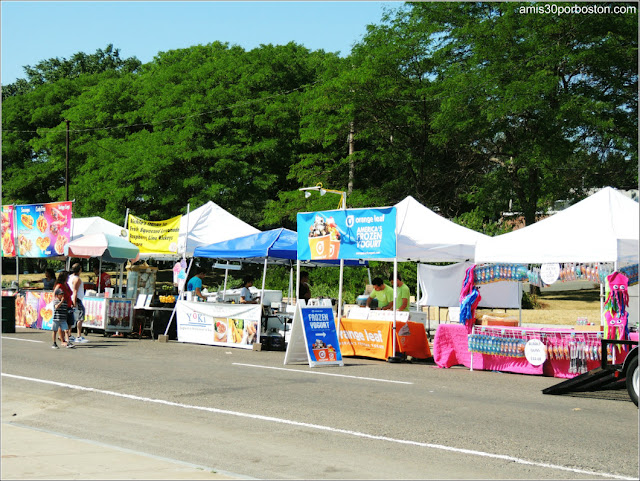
(195, 284)
(60, 327)
(304, 292)
(381, 292)
(245, 294)
(403, 295)
(62, 283)
(102, 279)
(77, 294)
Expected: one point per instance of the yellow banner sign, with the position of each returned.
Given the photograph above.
(154, 237)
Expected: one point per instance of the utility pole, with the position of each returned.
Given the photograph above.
(66, 180)
(351, 162)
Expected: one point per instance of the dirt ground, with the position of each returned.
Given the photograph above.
(555, 308)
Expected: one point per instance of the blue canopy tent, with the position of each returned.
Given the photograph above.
(276, 246)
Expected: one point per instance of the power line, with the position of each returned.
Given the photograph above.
(159, 122)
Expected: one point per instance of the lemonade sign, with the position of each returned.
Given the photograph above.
(156, 237)
(347, 234)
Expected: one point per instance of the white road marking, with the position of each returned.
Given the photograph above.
(321, 373)
(324, 428)
(18, 339)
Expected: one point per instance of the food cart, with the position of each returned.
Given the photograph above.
(103, 311)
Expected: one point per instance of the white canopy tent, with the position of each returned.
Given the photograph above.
(95, 225)
(601, 228)
(424, 236)
(205, 225)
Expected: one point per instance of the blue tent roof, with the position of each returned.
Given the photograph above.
(276, 244)
(280, 243)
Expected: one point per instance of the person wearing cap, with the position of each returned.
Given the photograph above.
(60, 326)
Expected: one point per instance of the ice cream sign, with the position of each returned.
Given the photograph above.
(347, 234)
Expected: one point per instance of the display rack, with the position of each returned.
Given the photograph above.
(141, 280)
(577, 347)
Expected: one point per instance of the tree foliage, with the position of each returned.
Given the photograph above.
(472, 108)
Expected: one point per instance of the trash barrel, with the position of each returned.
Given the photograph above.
(8, 314)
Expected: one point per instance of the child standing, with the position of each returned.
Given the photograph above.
(60, 320)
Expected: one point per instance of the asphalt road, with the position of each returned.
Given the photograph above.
(245, 412)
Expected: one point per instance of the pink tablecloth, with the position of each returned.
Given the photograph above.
(450, 348)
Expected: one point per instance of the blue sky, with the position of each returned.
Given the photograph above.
(33, 31)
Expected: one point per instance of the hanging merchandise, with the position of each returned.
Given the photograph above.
(631, 272)
(616, 315)
(469, 299)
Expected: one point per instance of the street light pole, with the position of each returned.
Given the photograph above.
(66, 181)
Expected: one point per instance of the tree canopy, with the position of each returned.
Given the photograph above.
(472, 108)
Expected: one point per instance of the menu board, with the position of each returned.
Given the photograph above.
(43, 230)
(8, 231)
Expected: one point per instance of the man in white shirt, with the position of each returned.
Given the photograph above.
(77, 294)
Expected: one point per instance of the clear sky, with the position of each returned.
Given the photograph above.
(38, 30)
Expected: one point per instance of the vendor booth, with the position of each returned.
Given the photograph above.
(418, 235)
(277, 246)
(558, 243)
(103, 311)
(256, 322)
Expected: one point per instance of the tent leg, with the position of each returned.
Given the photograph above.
(297, 281)
(395, 296)
(340, 292)
(519, 304)
(99, 274)
(173, 313)
(290, 296)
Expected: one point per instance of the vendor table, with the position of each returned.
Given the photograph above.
(108, 314)
(154, 320)
(451, 347)
(373, 339)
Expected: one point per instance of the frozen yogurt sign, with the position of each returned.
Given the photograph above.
(347, 234)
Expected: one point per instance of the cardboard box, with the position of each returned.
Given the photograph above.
(497, 321)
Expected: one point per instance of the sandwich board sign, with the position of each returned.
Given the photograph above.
(314, 338)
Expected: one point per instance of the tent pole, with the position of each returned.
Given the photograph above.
(290, 294)
(99, 274)
(186, 239)
(224, 289)
(121, 276)
(395, 307)
(173, 313)
(601, 304)
(369, 274)
(297, 281)
(340, 294)
(519, 304)
(417, 287)
(264, 280)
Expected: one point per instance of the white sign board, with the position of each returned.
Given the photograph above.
(232, 325)
(535, 351)
(549, 273)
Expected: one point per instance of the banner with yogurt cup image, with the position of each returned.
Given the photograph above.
(347, 234)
